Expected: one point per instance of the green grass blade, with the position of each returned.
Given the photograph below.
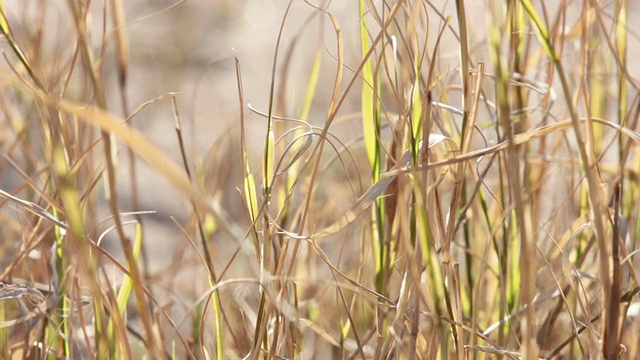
(312, 85)
(251, 196)
(124, 292)
(370, 123)
(541, 30)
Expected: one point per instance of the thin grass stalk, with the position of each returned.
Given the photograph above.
(287, 259)
(59, 269)
(305, 266)
(350, 326)
(520, 123)
(592, 58)
(115, 330)
(371, 131)
(587, 157)
(267, 258)
(60, 164)
(213, 279)
(6, 31)
(198, 348)
(475, 306)
(418, 131)
(419, 89)
(122, 51)
(468, 298)
(293, 170)
(517, 29)
(381, 241)
(470, 105)
(248, 181)
(420, 227)
(612, 347)
(109, 154)
(289, 176)
(124, 293)
(269, 156)
(71, 203)
(627, 117)
(517, 43)
(522, 227)
(620, 21)
(467, 125)
(436, 289)
(333, 105)
(51, 150)
(506, 251)
(282, 190)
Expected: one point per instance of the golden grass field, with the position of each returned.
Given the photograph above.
(346, 179)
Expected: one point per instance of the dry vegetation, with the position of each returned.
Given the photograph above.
(428, 181)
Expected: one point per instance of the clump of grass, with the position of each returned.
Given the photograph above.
(427, 186)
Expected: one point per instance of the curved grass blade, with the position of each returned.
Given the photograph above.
(377, 189)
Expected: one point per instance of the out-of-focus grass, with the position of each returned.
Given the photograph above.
(410, 203)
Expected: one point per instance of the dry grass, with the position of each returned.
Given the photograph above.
(428, 182)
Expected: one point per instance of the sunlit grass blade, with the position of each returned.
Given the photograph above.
(124, 292)
(4, 27)
(541, 30)
(370, 121)
(298, 147)
(371, 132)
(269, 155)
(312, 85)
(416, 112)
(251, 196)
